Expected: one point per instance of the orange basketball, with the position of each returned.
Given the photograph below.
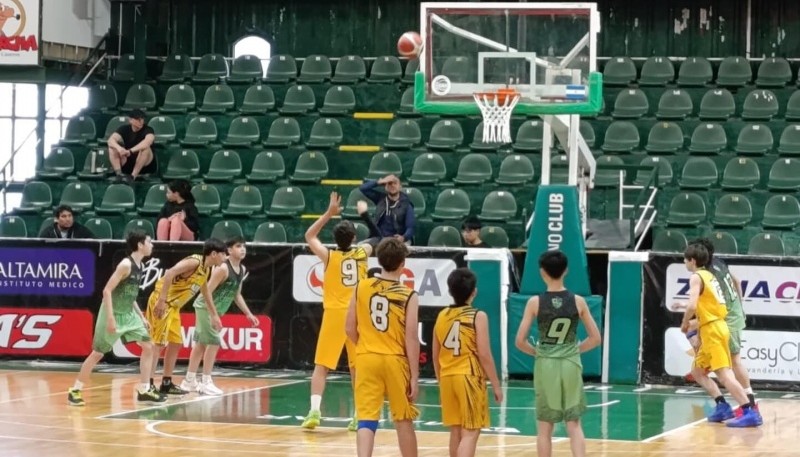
(409, 45)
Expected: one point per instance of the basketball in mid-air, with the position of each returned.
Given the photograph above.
(409, 45)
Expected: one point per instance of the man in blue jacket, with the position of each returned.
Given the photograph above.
(394, 212)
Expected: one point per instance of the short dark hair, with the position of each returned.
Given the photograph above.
(213, 245)
(133, 239)
(471, 223)
(706, 243)
(233, 241)
(137, 114)
(391, 254)
(461, 284)
(554, 263)
(698, 253)
(183, 188)
(61, 208)
(343, 234)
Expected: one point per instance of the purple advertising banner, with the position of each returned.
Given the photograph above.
(47, 271)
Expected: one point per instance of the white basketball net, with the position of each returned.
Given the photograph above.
(496, 116)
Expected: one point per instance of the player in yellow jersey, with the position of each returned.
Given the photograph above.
(178, 287)
(345, 266)
(707, 302)
(463, 360)
(382, 322)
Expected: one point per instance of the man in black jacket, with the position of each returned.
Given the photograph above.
(64, 226)
(394, 212)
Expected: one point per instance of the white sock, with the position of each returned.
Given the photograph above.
(316, 400)
(144, 387)
(78, 385)
(206, 378)
(749, 391)
(191, 377)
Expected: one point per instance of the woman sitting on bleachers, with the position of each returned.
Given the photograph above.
(178, 219)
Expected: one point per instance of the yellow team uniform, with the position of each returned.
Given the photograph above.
(462, 382)
(167, 329)
(714, 352)
(383, 369)
(343, 271)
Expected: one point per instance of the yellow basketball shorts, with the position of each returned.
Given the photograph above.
(465, 401)
(714, 352)
(332, 338)
(165, 329)
(382, 376)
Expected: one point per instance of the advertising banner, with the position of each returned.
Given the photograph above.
(19, 32)
(47, 271)
(41, 332)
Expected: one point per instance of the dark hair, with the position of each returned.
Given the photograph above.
(343, 234)
(471, 223)
(554, 263)
(698, 253)
(233, 241)
(137, 114)
(183, 188)
(706, 243)
(391, 254)
(213, 245)
(461, 284)
(61, 208)
(133, 239)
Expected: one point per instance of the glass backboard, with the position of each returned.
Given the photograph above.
(545, 51)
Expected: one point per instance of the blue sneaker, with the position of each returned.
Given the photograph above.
(722, 412)
(750, 418)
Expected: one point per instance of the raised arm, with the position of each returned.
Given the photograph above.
(312, 234)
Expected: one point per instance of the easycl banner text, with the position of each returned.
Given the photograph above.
(47, 271)
(19, 32)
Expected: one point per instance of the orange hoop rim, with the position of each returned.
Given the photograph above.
(501, 94)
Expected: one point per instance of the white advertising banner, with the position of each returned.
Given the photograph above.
(19, 32)
(768, 291)
(427, 276)
(767, 355)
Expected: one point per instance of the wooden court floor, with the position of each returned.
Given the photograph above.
(260, 416)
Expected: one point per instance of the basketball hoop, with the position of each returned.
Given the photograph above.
(496, 108)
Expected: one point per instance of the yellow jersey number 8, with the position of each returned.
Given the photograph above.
(379, 312)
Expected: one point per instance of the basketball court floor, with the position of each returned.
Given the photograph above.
(260, 413)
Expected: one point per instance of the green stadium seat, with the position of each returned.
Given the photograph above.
(675, 104)
(179, 99)
(100, 228)
(630, 104)
(218, 99)
(206, 199)
(428, 168)
(766, 244)
(113, 124)
(245, 200)
(211, 68)
(96, 166)
(669, 241)
(559, 169)
(665, 138)
(587, 131)
(288, 201)
(36, 198)
(268, 166)
(417, 199)
(619, 71)
(164, 129)
(58, 164)
(125, 69)
(80, 130)
(494, 236)
(754, 139)
(515, 169)
(698, 173)
(177, 68)
(529, 136)
(717, 104)
(257, 100)
(406, 108)
(499, 205)
(708, 138)
(774, 72)
(385, 69)
(77, 195)
(326, 133)
(664, 167)
(621, 136)
(281, 69)
(459, 69)
(315, 69)
(142, 225)
(784, 175)
(657, 71)
(606, 177)
(140, 96)
(153, 200)
(781, 212)
(339, 101)
(444, 236)
(473, 169)
(103, 97)
(734, 72)
(789, 143)
(349, 70)
(409, 73)
(446, 134)
(686, 209)
(350, 210)
(118, 199)
(478, 144)
(246, 69)
(724, 243)
(793, 107)
(284, 132)
(200, 131)
(403, 134)
(741, 173)
(760, 105)
(225, 166)
(451, 204)
(298, 100)
(243, 132)
(270, 232)
(311, 167)
(695, 71)
(182, 164)
(13, 227)
(733, 210)
(384, 163)
(225, 230)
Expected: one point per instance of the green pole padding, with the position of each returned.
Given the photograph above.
(489, 299)
(624, 317)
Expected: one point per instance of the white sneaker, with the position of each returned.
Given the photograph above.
(190, 386)
(208, 388)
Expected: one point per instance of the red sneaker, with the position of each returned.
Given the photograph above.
(738, 411)
(689, 377)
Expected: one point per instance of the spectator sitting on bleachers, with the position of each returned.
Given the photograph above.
(129, 148)
(178, 219)
(394, 212)
(64, 226)
(471, 233)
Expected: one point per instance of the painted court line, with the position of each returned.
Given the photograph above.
(51, 394)
(674, 430)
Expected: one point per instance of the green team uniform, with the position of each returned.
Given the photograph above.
(130, 327)
(558, 374)
(223, 297)
(735, 318)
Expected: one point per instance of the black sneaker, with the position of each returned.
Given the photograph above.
(151, 396)
(171, 389)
